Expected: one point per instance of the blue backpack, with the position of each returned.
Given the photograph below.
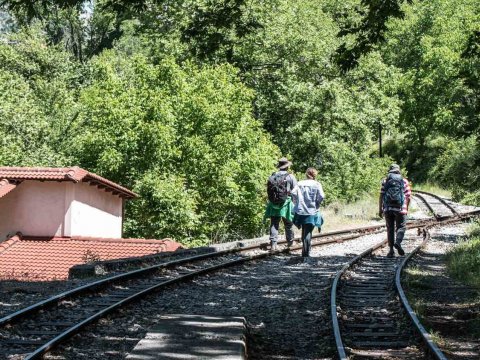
(394, 196)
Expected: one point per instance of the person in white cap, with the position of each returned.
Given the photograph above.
(393, 204)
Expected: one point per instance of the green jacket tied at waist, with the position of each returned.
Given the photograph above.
(284, 210)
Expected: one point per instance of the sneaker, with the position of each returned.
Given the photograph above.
(274, 247)
(399, 249)
(390, 254)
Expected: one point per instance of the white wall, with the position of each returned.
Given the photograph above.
(60, 209)
(33, 208)
(95, 212)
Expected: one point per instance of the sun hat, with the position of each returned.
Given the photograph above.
(394, 168)
(283, 163)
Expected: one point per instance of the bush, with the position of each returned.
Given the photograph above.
(166, 208)
(463, 262)
(459, 167)
(184, 138)
(419, 160)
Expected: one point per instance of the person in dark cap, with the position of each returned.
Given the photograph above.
(393, 204)
(280, 207)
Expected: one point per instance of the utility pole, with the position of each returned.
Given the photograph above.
(380, 139)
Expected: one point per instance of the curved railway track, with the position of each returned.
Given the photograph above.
(370, 313)
(35, 330)
(437, 205)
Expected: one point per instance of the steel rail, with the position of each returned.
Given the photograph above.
(361, 231)
(333, 296)
(439, 198)
(355, 233)
(135, 273)
(427, 204)
(427, 339)
(39, 352)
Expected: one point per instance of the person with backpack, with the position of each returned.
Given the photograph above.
(393, 204)
(280, 206)
(307, 196)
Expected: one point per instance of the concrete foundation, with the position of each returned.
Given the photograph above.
(193, 337)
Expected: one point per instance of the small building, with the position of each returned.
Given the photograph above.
(60, 202)
(54, 218)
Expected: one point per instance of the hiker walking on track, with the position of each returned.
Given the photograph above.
(280, 206)
(393, 204)
(307, 196)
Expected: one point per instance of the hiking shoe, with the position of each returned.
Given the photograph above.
(399, 249)
(390, 254)
(274, 247)
(290, 243)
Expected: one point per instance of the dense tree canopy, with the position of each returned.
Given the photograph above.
(190, 102)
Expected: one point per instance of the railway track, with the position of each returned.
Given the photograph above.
(33, 331)
(437, 205)
(370, 313)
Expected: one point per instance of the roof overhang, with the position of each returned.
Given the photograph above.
(12, 176)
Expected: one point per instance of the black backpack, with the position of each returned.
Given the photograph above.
(278, 188)
(394, 196)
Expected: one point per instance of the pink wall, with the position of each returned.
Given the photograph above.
(33, 208)
(60, 209)
(95, 212)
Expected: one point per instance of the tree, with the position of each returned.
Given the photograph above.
(37, 100)
(368, 32)
(181, 133)
(427, 47)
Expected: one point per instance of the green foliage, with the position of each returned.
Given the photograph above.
(184, 125)
(420, 160)
(175, 99)
(427, 45)
(165, 208)
(459, 167)
(463, 262)
(368, 32)
(36, 100)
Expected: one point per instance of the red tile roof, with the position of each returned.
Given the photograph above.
(29, 258)
(74, 174)
(6, 186)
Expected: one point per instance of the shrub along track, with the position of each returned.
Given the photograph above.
(369, 320)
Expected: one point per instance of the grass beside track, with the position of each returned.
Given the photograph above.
(339, 215)
(463, 261)
(434, 189)
(452, 317)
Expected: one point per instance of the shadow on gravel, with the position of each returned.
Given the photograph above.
(18, 294)
(292, 320)
(284, 299)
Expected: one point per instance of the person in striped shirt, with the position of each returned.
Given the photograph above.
(393, 204)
